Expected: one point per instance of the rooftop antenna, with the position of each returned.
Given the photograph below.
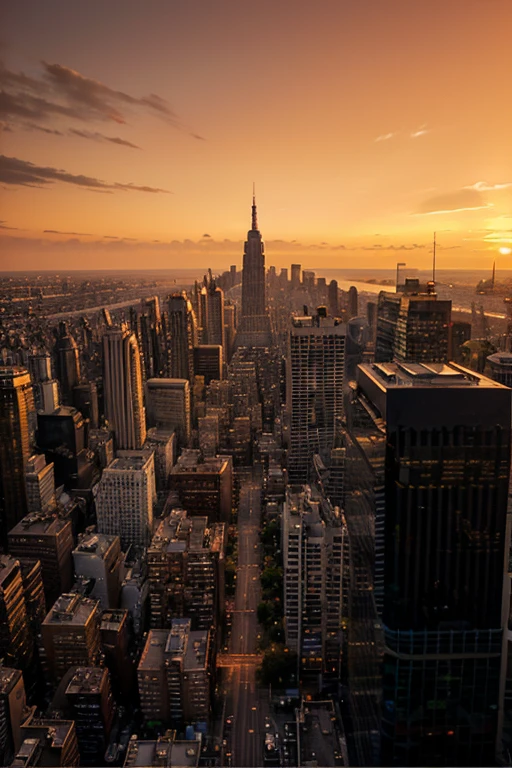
(434, 261)
(254, 214)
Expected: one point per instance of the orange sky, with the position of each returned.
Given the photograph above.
(366, 125)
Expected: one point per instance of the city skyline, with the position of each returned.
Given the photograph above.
(364, 127)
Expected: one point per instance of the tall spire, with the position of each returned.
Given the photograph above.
(254, 213)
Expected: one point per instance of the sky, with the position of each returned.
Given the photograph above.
(132, 132)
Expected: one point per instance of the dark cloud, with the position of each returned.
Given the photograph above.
(453, 202)
(110, 237)
(34, 127)
(206, 235)
(3, 225)
(66, 92)
(21, 172)
(58, 232)
(97, 136)
(5, 127)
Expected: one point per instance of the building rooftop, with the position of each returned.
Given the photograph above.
(96, 545)
(167, 383)
(190, 461)
(8, 679)
(39, 523)
(162, 752)
(113, 619)
(153, 655)
(136, 462)
(56, 731)
(87, 680)
(428, 375)
(501, 358)
(71, 609)
(7, 565)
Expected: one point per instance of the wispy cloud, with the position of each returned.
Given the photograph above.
(421, 131)
(453, 202)
(483, 186)
(3, 225)
(23, 173)
(62, 91)
(385, 137)
(58, 232)
(97, 136)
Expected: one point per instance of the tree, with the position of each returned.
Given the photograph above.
(278, 667)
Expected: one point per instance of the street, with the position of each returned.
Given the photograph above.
(244, 703)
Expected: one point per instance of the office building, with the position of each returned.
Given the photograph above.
(413, 325)
(500, 365)
(101, 442)
(296, 275)
(12, 706)
(17, 414)
(47, 742)
(123, 389)
(352, 302)
(99, 558)
(209, 362)
(46, 388)
(16, 643)
(125, 498)
(71, 634)
(90, 700)
(33, 592)
(85, 400)
(229, 329)
(115, 644)
(333, 299)
(61, 436)
(49, 539)
(312, 546)
(183, 333)
(208, 433)
(67, 363)
(164, 752)
(186, 571)
(204, 487)
(40, 483)
(428, 461)
(174, 675)
(212, 312)
(254, 327)
(168, 402)
(162, 442)
(314, 399)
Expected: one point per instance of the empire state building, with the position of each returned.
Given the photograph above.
(254, 328)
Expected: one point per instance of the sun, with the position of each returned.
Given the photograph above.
(505, 251)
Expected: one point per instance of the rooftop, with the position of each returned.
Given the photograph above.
(153, 655)
(167, 383)
(8, 679)
(113, 619)
(71, 609)
(427, 375)
(38, 523)
(87, 680)
(136, 462)
(7, 565)
(501, 358)
(163, 752)
(96, 544)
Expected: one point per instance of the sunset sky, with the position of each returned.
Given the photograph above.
(132, 131)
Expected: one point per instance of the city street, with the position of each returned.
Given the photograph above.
(248, 708)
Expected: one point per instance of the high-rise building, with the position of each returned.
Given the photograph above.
(47, 742)
(204, 487)
(125, 498)
(16, 643)
(161, 442)
(46, 389)
(40, 482)
(183, 331)
(229, 329)
(500, 364)
(17, 413)
(61, 436)
(254, 327)
(90, 699)
(208, 362)
(122, 388)
(85, 400)
(168, 403)
(49, 539)
(164, 752)
(67, 363)
(428, 460)
(295, 275)
(115, 647)
(413, 325)
(71, 634)
(352, 302)
(99, 557)
(314, 400)
(312, 546)
(186, 570)
(12, 705)
(212, 312)
(33, 591)
(332, 297)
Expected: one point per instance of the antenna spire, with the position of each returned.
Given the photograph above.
(434, 260)
(254, 212)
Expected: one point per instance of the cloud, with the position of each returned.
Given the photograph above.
(64, 91)
(206, 235)
(5, 127)
(58, 232)
(385, 137)
(41, 128)
(3, 225)
(422, 130)
(97, 136)
(483, 186)
(453, 202)
(110, 237)
(21, 172)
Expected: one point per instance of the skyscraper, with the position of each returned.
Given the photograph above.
(314, 400)
(123, 392)
(168, 402)
(183, 330)
(254, 328)
(17, 414)
(413, 325)
(426, 506)
(212, 312)
(67, 363)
